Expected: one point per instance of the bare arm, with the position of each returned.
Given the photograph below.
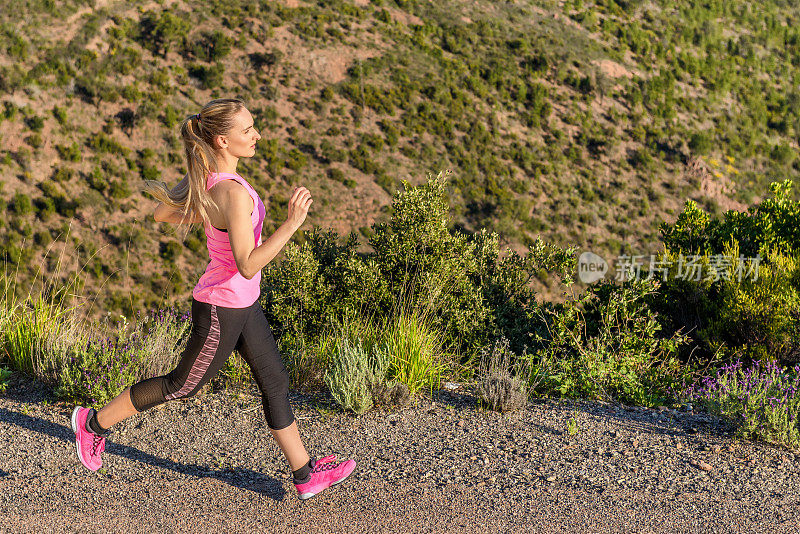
(168, 214)
(236, 205)
(165, 213)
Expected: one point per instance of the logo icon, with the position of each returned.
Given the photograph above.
(591, 267)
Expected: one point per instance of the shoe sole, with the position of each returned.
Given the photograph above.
(305, 496)
(74, 422)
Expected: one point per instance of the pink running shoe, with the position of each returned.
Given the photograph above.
(90, 446)
(325, 473)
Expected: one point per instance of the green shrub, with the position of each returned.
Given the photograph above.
(131, 93)
(97, 180)
(159, 31)
(701, 143)
(69, 152)
(63, 174)
(34, 140)
(295, 160)
(360, 159)
(45, 207)
(35, 123)
(65, 206)
(211, 46)
(170, 250)
(21, 204)
(42, 238)
(193, 243)
(50, 189)
(642, 159)
(330, 152)
(125, 60)
(336, 174)
(782, 154)
(751, 314)
(104, 144)
(475, 294)
(391, 132)
(745, 303)
(605, 344)
(149, 172)
(171, 116)
(120, 189)
(211, 77)
(352, 374)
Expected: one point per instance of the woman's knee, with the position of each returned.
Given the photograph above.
(181, 390)
(148, 393)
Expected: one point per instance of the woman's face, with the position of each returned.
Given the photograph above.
(241, 140)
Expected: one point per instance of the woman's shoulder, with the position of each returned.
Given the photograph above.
(231, 192)
(229, 187)
(225, 181)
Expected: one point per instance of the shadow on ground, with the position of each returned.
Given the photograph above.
(245, 479)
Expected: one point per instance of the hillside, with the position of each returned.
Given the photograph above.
(588, 123)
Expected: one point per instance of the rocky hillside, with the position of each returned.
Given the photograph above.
(588, 123)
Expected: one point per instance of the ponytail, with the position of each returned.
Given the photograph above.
(198, 132)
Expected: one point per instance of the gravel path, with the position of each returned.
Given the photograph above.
(209, 464)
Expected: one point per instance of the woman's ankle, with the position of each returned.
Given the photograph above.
(93, 425)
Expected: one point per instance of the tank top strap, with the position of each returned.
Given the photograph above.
(215, 178)
(246, 185)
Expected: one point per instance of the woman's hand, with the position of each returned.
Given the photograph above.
(298, 207)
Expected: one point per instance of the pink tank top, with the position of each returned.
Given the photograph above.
(222, 284)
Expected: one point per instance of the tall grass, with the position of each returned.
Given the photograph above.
(363, 359)
(415, 350)
(26, 319)
(367, 359)
(43, 333)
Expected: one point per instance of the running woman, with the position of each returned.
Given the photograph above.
(226, 314)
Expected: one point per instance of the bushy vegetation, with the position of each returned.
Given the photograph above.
(608, 344)
(762, 400)
(353, 374)
(382, 327)
(474, 294)
(743, 300)
(522, 105)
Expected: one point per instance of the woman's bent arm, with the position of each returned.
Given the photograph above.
(168, 214)
(236, 204)
(261, 255)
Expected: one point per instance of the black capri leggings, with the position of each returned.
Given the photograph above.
(216, 332)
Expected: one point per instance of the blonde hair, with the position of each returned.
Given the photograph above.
(198, 133)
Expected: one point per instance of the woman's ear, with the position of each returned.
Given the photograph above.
(222, 141)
